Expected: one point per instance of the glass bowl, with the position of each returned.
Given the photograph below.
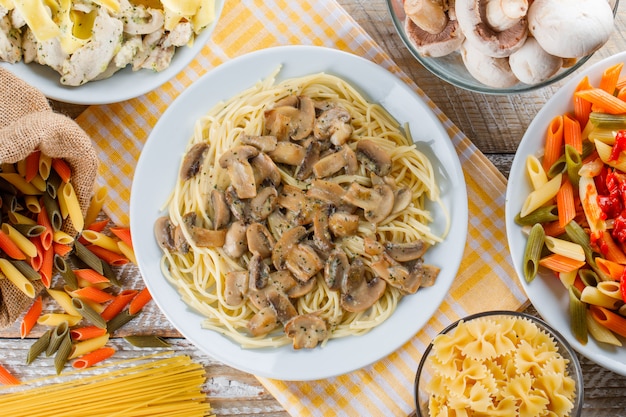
(527, 362)
(451, 69)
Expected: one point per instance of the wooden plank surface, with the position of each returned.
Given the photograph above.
(495, 124)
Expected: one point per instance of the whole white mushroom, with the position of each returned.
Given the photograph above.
(570, 28)
(531, 64)
(491, 71)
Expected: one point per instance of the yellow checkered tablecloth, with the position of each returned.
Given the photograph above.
(486, 279)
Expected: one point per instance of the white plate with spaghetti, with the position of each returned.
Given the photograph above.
(160, 163)
(123, 85)
(545, 291)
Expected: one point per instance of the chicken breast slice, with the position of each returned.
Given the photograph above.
(10, 41)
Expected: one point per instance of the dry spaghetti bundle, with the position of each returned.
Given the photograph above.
(138, 387)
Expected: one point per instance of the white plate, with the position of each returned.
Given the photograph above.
(123, 85)
(545, 292)
(156, 174)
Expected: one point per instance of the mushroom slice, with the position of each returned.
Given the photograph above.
(303, 262)
(235, 287)
(219, 206)
(235, 241)
(263, 322)
(265, 170)
(288, 153)
(291, 121)
(277, 224)
(327, 191)
(372, 247)
(336, 269)
(207, 238)
(311, 156)
(426, 273)
(376, 202)
(402, 197)
(403, 252)
(283, 281)
(264, 143)
(321, 231)
(235, 204)
(306, 331)
(235, 160)
(259, 273)
(301, 288)
(193, 160)
(342, 224)
(334, 162)
(263, 204)
(429, 15)
(281, 304)
(260, 240)
(358, 292)
(396, 274)
(292, 199)
(164, 233)
(333, 124)
(284, 245)
(373, 157)
(471, 15)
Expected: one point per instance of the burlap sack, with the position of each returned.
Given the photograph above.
(27, 123)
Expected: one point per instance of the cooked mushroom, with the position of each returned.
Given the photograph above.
(301, 288)
(531, 64)
(264, 203)
(427, 274)
(371, 246)
(359, 290)
(321, 231)
(303, 262)
(471, 15)
(265, 170)
(406, 251)
(235, 160)
(164, 233)
(373, 157)
(330, 164)
(311, 156)
(441, 44)
(277, 224)
(284, 245)
(376, 202)
(282, 306)
(264, 143)
(402, 197)
(235, 241)
(235, 287)
(235, 204)
(263, 322)
(570, 28)
(207, 238)
(306, 330)
(333, 124)
(291, 198)
(494, 72)
(259, 273)
(429, 15)
(336, 269)
(283, 281)
(291, 121)
(327, 191)
(342, 224)
(260, 240)
(193, 160)
(141, 20)
(396, 274)
(287, 153)
(219, 207)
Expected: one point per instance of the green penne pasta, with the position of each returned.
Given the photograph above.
(559, 167)
(88, 313)
(532, 253)
(67, 273)
(56, 337)
(63, 353)
(578, 235)
(29, 230)
(578, 315)
(588, 148)
(588, 277)
(10, 202)
(38, 347)
(53, 183)
(110, 274)
(119, 320)
(147, 341)
(543, 214)
(573, 162)
(53, 210)
(26, 269)
(88, 257)
(608, 121)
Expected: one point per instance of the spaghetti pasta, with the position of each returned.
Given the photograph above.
(356, 149)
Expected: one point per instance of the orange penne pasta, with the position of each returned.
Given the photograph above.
(94, 357)
(610, 268)
(565, 203)
(582, 108)
(608, 319)
(610, 77)
(608, 103)
(572, 134)
(140, 300)
(560, 263)
(46, 237)
(123, 234)
(30, 318)
(61, 249)
(87, 332)
(553, 229)
(97, 226)
(621, 94)
(90, 276)
(110, 257)
(93, 294)
(10, 248)
(62, 168)
(31, 167)
(118, 304)
(611, 250)
(47, 266)
(37, 261)
(554, 142)
(7, 378)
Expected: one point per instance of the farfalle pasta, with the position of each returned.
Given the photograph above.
(498, 366)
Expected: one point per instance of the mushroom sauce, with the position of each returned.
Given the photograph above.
(299, 215)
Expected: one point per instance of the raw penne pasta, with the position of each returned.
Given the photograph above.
(88, 313)
(47, 266)
(565, 203)
(7, 378)
(578, 316)
(608, 319)
(64, 301)
(93, 358)
(119, 320)
(62, 168)
(18, 218)
(610, 268)
(146, 341)
(17, 278)
(66, 272)
(565, 248)
(61, 249)
(605, 101)
(95, 205)
(85, 346)
(610, 289)
(127, 251)
(47, 236)
(44, 165)
(91, 276)
(572, 134)
(56, 337)
(116, 258)
(26, 245)
(39, 183)
(88, 257)
(29, 230)
(582, 108)
(53, 184)
(20, 183)
(32, 203)
(610, 77)
(593, 296)
(54, 319)
(93, 294)
(122, 233)
(26, 270)
(541, 196)
(30, 318)
(118, 304)
(601, 333)
(553, 143)
(69, 200)
(140, 300)
(38, 347)
(8, 246)
(53, 211)
(31, 165)
(560, 263)
(86, 332)
(63, 353)
(532, 252)
(101, 240)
